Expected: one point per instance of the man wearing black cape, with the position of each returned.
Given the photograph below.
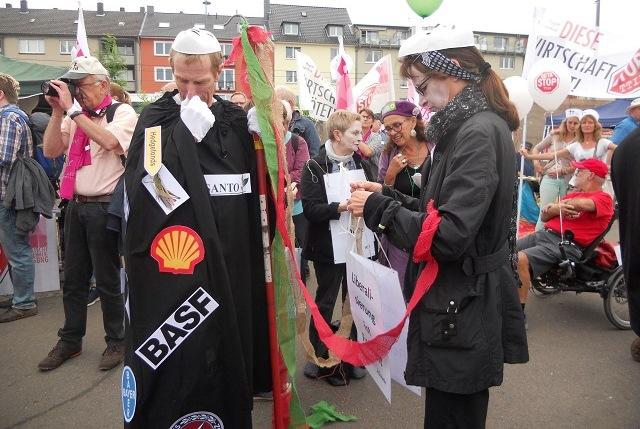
(626, 184)
(193, 254)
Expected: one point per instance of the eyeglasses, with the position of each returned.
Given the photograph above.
(395, 127)
(421, 88)
(82, 85)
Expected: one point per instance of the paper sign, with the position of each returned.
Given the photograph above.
(172, 186)
(152, 150)
(338, 189)
(377, 305)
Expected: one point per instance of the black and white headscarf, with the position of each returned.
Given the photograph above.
(434, 60)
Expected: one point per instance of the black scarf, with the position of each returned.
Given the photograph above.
(467, 103)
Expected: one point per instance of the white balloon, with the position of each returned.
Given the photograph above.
(549, 83)
(519, 94)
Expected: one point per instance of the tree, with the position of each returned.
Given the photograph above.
(112, 60)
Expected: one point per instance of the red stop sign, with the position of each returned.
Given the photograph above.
(626, 80)
(547, 82)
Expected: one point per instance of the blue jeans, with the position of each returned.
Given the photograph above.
(21, 267)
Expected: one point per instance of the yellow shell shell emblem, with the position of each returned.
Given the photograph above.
(177, 249)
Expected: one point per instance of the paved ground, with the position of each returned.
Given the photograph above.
(580, 375)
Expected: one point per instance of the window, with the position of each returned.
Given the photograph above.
(31, 46)
(334, 30)
(66, 46)
(500, 43)
(368, 36)
(333, 52)
(226, 49)
(520, 45)
(127, 75)
(291, 76)
(162, 48)
(226, 80)
(404, 83)
(125, 50)
(481, 42)
(290, 28)
(163, 74)
(164, 25)
(290, 52)
(400, 36)
(373, 56)
(199, 26)
(507, 62)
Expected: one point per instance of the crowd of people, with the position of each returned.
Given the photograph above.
(193, 330)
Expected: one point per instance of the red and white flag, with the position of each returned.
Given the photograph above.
(340, 66)
(82, 45)
(376, 88)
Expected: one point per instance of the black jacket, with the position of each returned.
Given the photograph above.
(316, 209)
(471, 183)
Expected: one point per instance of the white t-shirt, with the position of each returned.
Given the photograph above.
(578, 153)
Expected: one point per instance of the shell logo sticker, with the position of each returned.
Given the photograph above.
(177, 249)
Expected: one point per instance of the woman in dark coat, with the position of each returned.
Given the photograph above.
(470, 322)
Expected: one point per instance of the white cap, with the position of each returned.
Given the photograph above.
(634, 103)
(569, 113)
(441, 37)
(196, 42)
(591, 112)
(84, 66)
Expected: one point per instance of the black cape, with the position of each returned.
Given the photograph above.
(626, 184)
(211, 369)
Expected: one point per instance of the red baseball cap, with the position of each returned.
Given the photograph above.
(595, 166)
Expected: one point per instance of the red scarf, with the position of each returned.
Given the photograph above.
(79, 155)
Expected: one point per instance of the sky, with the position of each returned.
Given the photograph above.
(500, 16)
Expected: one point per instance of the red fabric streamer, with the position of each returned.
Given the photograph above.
(256, 35)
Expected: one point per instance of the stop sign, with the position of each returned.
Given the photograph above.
(547, 82)
(626, 80)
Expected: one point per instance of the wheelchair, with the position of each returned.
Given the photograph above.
(587, 276)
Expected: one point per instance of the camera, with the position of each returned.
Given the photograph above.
(47, 89)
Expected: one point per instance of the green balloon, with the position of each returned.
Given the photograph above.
(424, 8)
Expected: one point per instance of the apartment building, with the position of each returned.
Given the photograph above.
(46, 36)
(505, 52)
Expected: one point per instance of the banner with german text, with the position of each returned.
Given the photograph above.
(316, 95)
(376, 88)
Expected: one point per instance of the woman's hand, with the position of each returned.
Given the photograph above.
(396, 165)
(357, 202)
(525, 153)
(366, 186)
(342, 207)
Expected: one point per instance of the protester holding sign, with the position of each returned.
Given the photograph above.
(470, 322)
(339, 154)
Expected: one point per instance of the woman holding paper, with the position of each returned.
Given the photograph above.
(338, 154)
(400, 165)
(470, 322)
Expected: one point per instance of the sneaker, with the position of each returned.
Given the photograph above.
(93, 296)
(7, 303)
(60, 353)
(17, 313)
(112, 356)
(311, 370)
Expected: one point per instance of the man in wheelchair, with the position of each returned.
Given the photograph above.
(586, 213)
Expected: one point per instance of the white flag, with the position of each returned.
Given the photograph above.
(376, 88)
(82, 45)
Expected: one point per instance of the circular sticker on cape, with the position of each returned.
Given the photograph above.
(198, 420)
(129, 394)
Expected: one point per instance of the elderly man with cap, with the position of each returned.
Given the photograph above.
(628, 124)
(470, 322)
(193, 254)
(586, 213)
(95, 137)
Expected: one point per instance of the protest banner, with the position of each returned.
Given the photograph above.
(44, 248)
(601, 65)
(342, 233)
(376, 88)
(377, 305)
(316, 95)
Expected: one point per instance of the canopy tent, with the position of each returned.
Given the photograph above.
(29, 75)
(610, 114)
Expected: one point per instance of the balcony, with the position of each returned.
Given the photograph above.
(382, 43)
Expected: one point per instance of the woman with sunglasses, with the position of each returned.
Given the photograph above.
(404, 155)
(556, 175)
(470, 322)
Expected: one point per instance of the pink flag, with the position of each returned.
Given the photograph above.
(344, 95)
(82, 45)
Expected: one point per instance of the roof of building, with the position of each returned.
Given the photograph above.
(312, 21)
(168, 25)
(58, 22)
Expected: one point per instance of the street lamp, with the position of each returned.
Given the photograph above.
(206, 14)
